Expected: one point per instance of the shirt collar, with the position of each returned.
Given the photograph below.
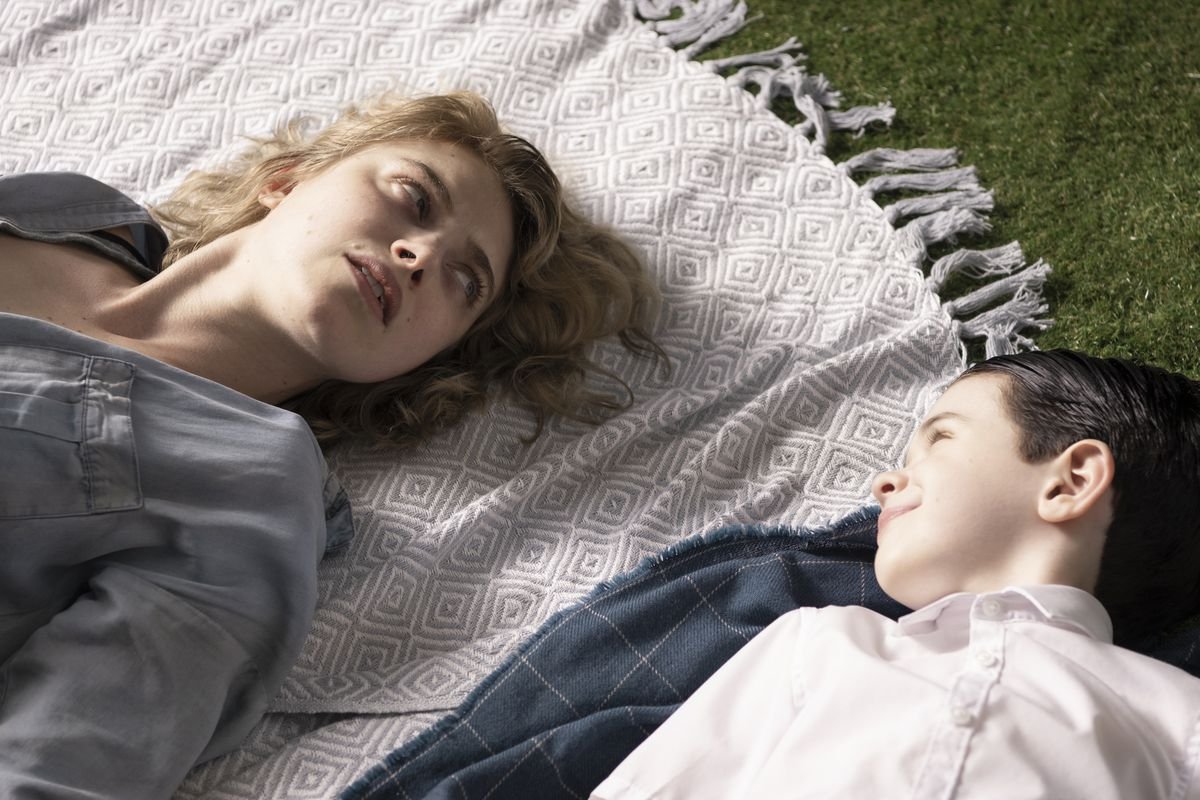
(1060, 605)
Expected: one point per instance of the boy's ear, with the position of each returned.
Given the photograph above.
(1077, 479)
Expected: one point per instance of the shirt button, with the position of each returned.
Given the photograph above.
(991, 607)
(961, 716)
(985, 658)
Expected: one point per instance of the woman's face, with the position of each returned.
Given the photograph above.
(386, 258)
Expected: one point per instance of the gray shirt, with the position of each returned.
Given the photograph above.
(159, 538)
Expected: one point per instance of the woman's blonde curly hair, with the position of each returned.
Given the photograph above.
(570, 282)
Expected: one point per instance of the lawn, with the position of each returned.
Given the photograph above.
(1082, 117)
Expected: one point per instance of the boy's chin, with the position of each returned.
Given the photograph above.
(909, 593)
(892, 591)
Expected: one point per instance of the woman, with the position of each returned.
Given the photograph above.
(163, 509)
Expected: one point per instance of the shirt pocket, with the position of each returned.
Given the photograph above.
(66, 434)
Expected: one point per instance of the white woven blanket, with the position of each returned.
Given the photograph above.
(805, 338)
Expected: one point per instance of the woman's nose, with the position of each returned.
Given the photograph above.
(416, 256)
(887, 483)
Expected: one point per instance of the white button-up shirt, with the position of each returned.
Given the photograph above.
(1013, 694)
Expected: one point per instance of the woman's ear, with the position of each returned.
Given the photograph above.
(1077, 479)
(274, 190)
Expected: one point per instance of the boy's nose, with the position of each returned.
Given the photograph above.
(887, 483)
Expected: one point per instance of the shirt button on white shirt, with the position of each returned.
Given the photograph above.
(961, 716)
(992, 608)
(985, 658)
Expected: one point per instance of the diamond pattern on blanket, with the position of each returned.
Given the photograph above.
(804, 342)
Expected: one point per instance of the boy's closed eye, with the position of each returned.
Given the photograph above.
(935, 435)
(931, 431)
(927, 438)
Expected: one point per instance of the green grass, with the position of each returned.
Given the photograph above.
(1082, 116)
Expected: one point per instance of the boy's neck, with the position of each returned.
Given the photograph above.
(1066, 554)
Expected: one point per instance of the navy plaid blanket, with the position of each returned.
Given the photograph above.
(600, 676)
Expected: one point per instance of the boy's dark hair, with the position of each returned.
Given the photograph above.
(1150, 419)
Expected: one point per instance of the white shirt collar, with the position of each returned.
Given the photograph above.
(1060, 605)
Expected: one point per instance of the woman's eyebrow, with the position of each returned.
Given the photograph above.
(435, 180)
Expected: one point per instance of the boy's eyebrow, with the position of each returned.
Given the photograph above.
(936, 418)
(476, 252)
(929, 423)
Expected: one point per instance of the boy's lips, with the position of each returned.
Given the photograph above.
(889, 514)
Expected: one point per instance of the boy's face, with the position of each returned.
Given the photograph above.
(955, 517)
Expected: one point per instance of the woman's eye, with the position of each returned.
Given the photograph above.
(472, 286)
(418, 195)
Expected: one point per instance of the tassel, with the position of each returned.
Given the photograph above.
(976, 264)
(963, 178)
(1030, 278)
(724, 26)
(920, 206)
(885, 159)
(768, 80)
(858, 118)
(816, 124)
(780, 57)
(700, 24)
(801, 84)
(789, 80)
(1000, 327)
(946, 226)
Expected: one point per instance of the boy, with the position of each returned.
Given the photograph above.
(1040, 486)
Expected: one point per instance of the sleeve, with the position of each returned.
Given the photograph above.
(127, 675)
(714, 744)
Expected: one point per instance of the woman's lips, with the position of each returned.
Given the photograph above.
(385, 304)
(890, 514)
(364, 289)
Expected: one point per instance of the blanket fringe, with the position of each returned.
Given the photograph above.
(886, 159)
(946, 226)
(1008, 301)
(942, 200)
(1000, 327)
(773, 73)
(701, 24)
(973, 200)
(977, 264)
(963, 178)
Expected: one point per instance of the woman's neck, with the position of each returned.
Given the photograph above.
(203, 315)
